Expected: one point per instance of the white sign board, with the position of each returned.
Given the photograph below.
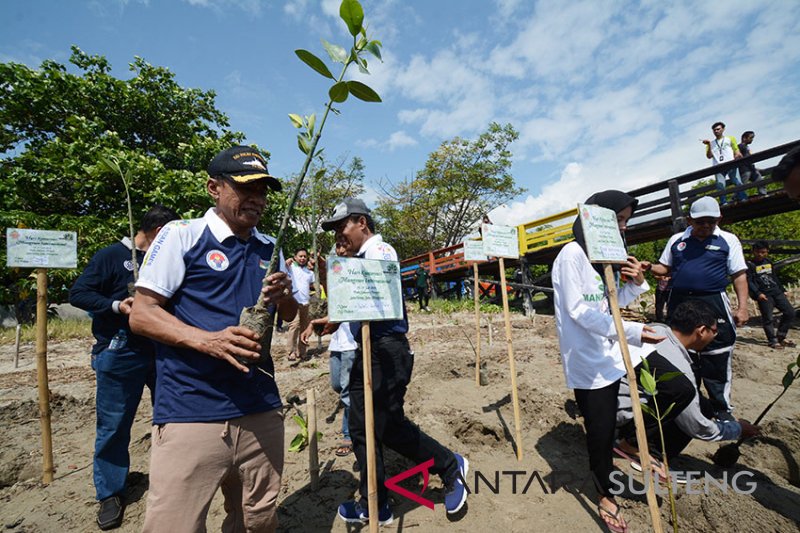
(601, 233)
(364, 289)
(500, 241)
(37, 248)
(473, 251)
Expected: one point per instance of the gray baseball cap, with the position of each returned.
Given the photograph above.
(348, 206)
(705, 207)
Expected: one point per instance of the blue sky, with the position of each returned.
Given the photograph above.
(605, 94)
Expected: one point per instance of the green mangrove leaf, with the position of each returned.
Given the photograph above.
(648, 381)
(353, 15)
(335, 52)
(314, 62)
(668, 376)
(362, 92)
(669, 409)
(374, 48)
(297, 121)
(339, 91)
(788, 379)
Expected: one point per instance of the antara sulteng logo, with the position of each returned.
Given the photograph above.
(523, 482)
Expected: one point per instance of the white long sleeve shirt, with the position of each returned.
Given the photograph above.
(590, 352)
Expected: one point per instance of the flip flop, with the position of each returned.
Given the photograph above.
(606, 515)
(344, 449)
(292, 357)
(637, 465)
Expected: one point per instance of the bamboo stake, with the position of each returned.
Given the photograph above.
(641, 436)
(477, 327)
(16, 345)
(511, 363)
(41, 374)
(313, 455)
(369, 419)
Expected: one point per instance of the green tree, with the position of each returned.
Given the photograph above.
(56, 125)
(462, 180)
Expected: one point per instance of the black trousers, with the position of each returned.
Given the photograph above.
(392, 364)
(661, 301)
(599, 410)
(424, 297)
(776, 299)
(679, 391)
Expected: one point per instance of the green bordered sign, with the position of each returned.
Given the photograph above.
(473, 251)
(38, 248)
(601, 233)
(364, 289)
(500, 241)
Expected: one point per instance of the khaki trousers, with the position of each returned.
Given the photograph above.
(189, 461)
(297, 326)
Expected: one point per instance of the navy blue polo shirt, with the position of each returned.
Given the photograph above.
(208, 275)
(704, 266)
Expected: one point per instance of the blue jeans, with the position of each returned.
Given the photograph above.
(733, 175)
(341, 365)
(121, 376)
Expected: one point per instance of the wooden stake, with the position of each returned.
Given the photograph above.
(41, 373)
(313, 455)
(369, 419)
(477, 327)
(511, 363)
(16, 345)
(641, 436)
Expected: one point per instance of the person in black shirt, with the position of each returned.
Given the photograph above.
(123, 362)
(767, 291)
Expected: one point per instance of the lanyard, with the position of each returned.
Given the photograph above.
(719, 147)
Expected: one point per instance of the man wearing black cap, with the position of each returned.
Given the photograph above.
(392, 363)
(216, 420)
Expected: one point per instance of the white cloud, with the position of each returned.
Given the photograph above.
(400, 139)
(253, 7)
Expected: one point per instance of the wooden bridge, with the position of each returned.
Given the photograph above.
(661, 212)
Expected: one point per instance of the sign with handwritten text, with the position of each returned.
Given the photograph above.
(601, 233)
(37, 248)
(364, 289)
(500, 241)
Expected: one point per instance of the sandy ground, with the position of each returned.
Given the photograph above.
(550, 490)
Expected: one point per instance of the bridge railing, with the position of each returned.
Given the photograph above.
(661, 210)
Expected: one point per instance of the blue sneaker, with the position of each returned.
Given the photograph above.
(353, 512)
(456, 494)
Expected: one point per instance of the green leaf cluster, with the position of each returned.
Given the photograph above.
(300, 441)
(58, 124)
(462, 180)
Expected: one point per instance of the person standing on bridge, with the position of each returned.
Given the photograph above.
(701, 261)
(721, 150)
(748, 171)
(588, 340)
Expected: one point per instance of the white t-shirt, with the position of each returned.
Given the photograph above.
(590, 352)
(342, 339)
(722, 148)
(302, 279)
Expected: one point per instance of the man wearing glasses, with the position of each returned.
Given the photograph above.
(702, 261)
(722, 149)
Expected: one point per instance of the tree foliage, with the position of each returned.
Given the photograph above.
(331, 183)
(462, 180)
(57, 123)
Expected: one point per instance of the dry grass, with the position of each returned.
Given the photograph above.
(57, 330)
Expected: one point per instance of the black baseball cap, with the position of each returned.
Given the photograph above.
(348, 206)
(242, 164)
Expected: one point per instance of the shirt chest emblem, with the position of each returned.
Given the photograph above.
(128, 264)
(712, 247)
(217, 260)
(681, 246)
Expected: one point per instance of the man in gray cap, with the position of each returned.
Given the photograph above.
(217, 420)
(392, 363)
(702, 261)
